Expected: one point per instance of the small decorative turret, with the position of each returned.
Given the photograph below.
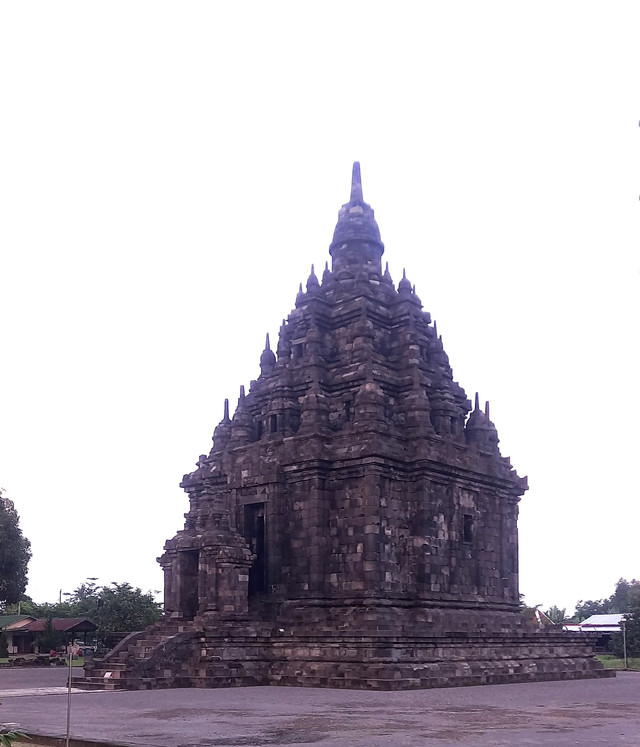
(437, 352)
(268, 358)
(301, 297)
(404, 286)
(312, 281)
(222, 433)
(492, 431)
(480, 431)
(327, 275)
(242, 422)
(386, 278)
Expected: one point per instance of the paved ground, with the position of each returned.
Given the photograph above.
(554, 714)
(22, 682)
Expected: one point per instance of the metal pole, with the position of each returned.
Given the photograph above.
(624, 642)
(70, 648)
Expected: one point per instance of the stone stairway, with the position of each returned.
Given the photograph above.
(136, 663)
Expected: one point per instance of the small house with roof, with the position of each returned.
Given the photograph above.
(23, 630)
(14, 627)
(604, 625)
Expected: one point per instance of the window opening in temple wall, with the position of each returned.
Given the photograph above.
(467, 528)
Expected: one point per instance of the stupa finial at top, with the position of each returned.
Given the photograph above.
(356, 184)
(356, 237)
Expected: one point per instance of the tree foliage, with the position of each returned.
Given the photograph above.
(632, 625)
(15, 553)
(116, 607)
(556, 615)
(625, 596)
(585, 609)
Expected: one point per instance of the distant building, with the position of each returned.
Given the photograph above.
(15, 629)
(22, 630)
(604, 625)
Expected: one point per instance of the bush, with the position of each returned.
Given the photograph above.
(49, 639)
(4, 646)
(633, 634)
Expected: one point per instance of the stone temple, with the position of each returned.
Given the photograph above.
(354, 524)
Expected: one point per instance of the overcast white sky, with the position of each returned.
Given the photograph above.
(169, 172)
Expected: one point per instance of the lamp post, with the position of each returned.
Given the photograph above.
(72, 650)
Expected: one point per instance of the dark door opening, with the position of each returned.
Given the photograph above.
(189, 562)
(254, 533)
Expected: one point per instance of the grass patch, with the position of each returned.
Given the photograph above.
(613, 662)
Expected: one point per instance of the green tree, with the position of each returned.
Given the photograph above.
(86, 599)
(627, 593)
(585, 609)
(29, 607)
(556, 615)
(625, 596)
(123, 608)
(117, 607)
(15, 553)
(4, 646)
(632, 625)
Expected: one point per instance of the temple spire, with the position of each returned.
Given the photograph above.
(356, 223)
(356, 184)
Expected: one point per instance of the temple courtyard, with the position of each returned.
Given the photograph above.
(582, 712)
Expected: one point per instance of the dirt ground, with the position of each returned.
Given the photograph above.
(554, 714)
